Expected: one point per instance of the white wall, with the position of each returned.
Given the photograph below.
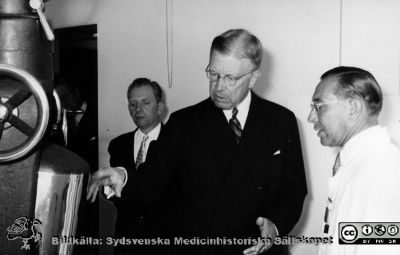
(301, 39)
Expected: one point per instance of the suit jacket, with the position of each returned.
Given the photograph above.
(83, 138)
(223, 187)
(132, 219)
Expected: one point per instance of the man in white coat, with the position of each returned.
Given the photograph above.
(365, 186)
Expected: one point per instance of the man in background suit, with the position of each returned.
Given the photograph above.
(129, 150)
(77, 130)
(236, 159)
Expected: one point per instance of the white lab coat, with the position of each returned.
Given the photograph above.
(366, 188)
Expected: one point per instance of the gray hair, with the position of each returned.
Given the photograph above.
(239, 42)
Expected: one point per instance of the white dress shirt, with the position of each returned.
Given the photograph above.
(139, 135)
(243, 110)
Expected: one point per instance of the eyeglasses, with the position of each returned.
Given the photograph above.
(318, 106)
(228, 79)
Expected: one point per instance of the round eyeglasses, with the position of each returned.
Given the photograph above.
(229, 80)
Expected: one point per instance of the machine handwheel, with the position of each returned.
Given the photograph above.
(32, 87)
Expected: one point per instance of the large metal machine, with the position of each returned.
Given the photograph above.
(40, 182)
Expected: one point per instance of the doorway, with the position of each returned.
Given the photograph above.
(76, 83)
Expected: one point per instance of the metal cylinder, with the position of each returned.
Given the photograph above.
(22, 44)
(14, 7)
(61, 177)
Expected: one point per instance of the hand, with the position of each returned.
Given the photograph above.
(110, 176)
(268, 230)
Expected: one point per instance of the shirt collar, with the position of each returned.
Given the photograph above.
(243, 110)
(153, 134)
(362, 142)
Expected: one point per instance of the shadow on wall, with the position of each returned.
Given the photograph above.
(263, 88)
(165, 113)
(307, 202)
(263, 85)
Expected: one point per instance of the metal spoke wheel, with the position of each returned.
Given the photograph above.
(11, 115)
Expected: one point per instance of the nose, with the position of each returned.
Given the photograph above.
(313, 116)
(220, 84)
(138, 107)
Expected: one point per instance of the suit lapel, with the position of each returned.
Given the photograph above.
(215, 128)
(152, 146)
(217, 145)
(254, 136)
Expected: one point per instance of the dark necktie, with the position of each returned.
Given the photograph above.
(235, 125)
(326, 216)
(336, 166)
(142, 151)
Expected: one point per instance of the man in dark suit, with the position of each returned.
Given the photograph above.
(236, 160)
(77, 130)
(129, 150)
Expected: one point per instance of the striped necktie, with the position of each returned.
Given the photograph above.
(235, 125)
(142, 151)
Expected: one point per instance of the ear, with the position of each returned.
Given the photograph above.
(254, 78)
(160, 108)
(356, 108)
